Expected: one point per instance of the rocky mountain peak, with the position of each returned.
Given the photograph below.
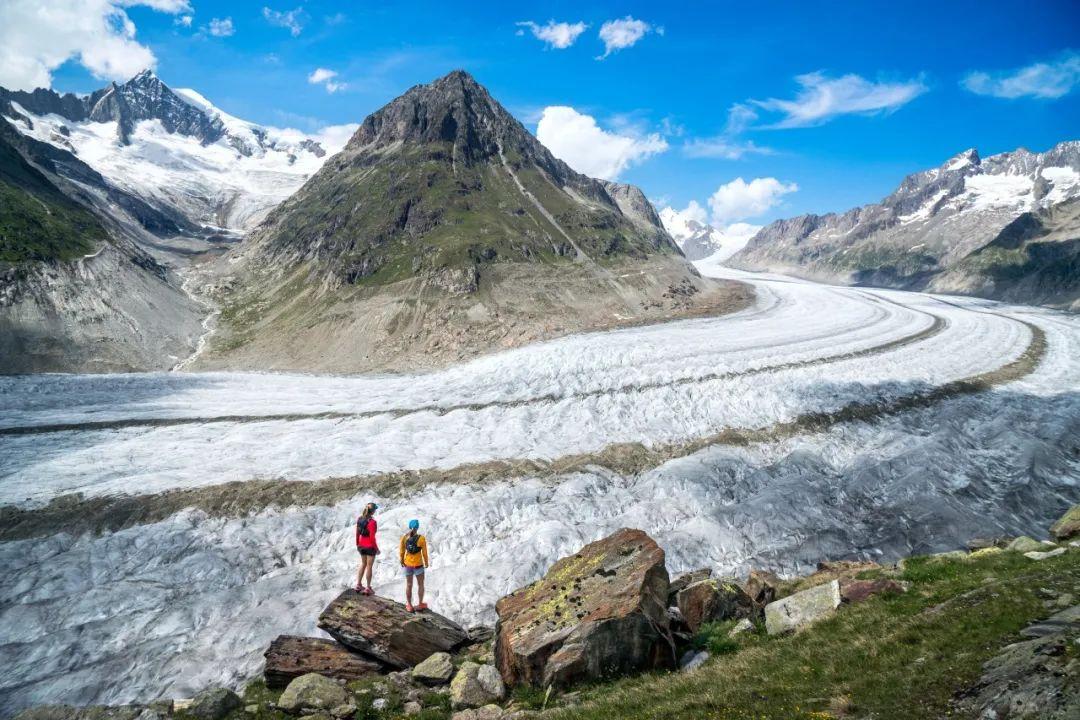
(146, 97)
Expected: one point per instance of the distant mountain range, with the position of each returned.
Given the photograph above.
(1004, 227)
(442, 229)
(173, 149)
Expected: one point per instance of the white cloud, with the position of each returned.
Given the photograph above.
(183, 21)
(1047, 81)
(577, 139)
(331, 137)
(556, 35)
(324, 77)
(37, 37)
(292, 19)
(823, 98)
(739, 200)
(221, 27)
(728, 145)
(624, 33)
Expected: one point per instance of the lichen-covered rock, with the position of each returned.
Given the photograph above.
(435, 670)
(713, 599)
(599, 612)
(1068, 525)
(1038, 555)
(802, 608)
(312, 692)
(1024, 544)
(290, 656)
(382, 629)
(476, 685)
(213, 704)
(488, 712)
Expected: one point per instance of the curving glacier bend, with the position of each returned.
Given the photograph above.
(166, 608)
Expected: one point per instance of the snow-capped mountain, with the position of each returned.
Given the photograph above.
(699, 240)
(1006, 226)
(174, 148)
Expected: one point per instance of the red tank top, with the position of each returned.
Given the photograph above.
(367, 541)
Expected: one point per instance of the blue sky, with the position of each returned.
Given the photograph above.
(674, 86)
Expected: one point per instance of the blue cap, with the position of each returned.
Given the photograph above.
(414, 524)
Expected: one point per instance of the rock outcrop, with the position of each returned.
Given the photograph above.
(383, 630)
(599, 612)
(713, 599)
(290, 656)
(476, 685)
(313, 692)
(802, 608)
(1068, 525)
(213, 704)
(436, 670)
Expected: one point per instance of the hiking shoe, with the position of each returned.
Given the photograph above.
(422, 606)
(368, 591)
(409, 607)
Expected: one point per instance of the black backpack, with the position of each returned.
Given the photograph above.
(412, 545)
(362, 526)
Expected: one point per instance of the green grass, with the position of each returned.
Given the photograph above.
(901, 656)
(713, 636)
(37, 221)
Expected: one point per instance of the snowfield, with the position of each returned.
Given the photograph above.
(162, 610)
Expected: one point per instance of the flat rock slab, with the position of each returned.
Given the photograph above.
(290, 656)
(383, 630)
(802, 608)
(600, 612)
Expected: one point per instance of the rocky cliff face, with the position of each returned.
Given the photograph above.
(1002, 227)
(443, 227)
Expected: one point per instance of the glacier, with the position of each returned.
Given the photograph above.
(166, 608)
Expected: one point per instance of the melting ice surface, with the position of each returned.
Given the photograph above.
(168, 608)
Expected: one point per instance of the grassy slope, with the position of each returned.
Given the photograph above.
(37, 221)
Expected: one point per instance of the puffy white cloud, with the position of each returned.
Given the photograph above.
(739, 200)
(221, 27)
(183, 21)
(37, 37)
(556, 35)
(293, 19)
(324, 77)
(822, 98)
(624, 33)
(1046, 80)
(576, 139)
(331, 137)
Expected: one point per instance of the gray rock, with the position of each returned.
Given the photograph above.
(413, 708)
(476, 685)
(436, 670)
(693, 659)
(313, 692)
(802, 608)
(740, 628)
(380, 703)
(1036, 555)
(214, 704)
(487, 712)
(344, 711)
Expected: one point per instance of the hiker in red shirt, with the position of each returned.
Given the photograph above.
(367, 546)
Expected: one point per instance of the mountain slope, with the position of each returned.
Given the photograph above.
(173, 149)
(76, 291)
(443, 229)
(1000, 227)
(699, 240)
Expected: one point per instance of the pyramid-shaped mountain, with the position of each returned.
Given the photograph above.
(444, 229)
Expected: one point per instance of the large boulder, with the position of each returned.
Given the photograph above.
(1024, 544)
(290, 656)
(713, 599)
(1068, 525)
(382, 629)
(762, 587)
(313, 692)
(600, 612)
(213, 704)
(475, 686)
(802, 608)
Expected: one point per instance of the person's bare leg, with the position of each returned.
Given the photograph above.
(360, 573)
(369, 565)
(408, 589)
(420, 589)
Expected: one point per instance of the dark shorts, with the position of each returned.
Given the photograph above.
(367, 551)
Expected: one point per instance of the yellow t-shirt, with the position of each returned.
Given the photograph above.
(416, 559)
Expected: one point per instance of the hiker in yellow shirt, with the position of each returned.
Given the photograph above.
(414, 558)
